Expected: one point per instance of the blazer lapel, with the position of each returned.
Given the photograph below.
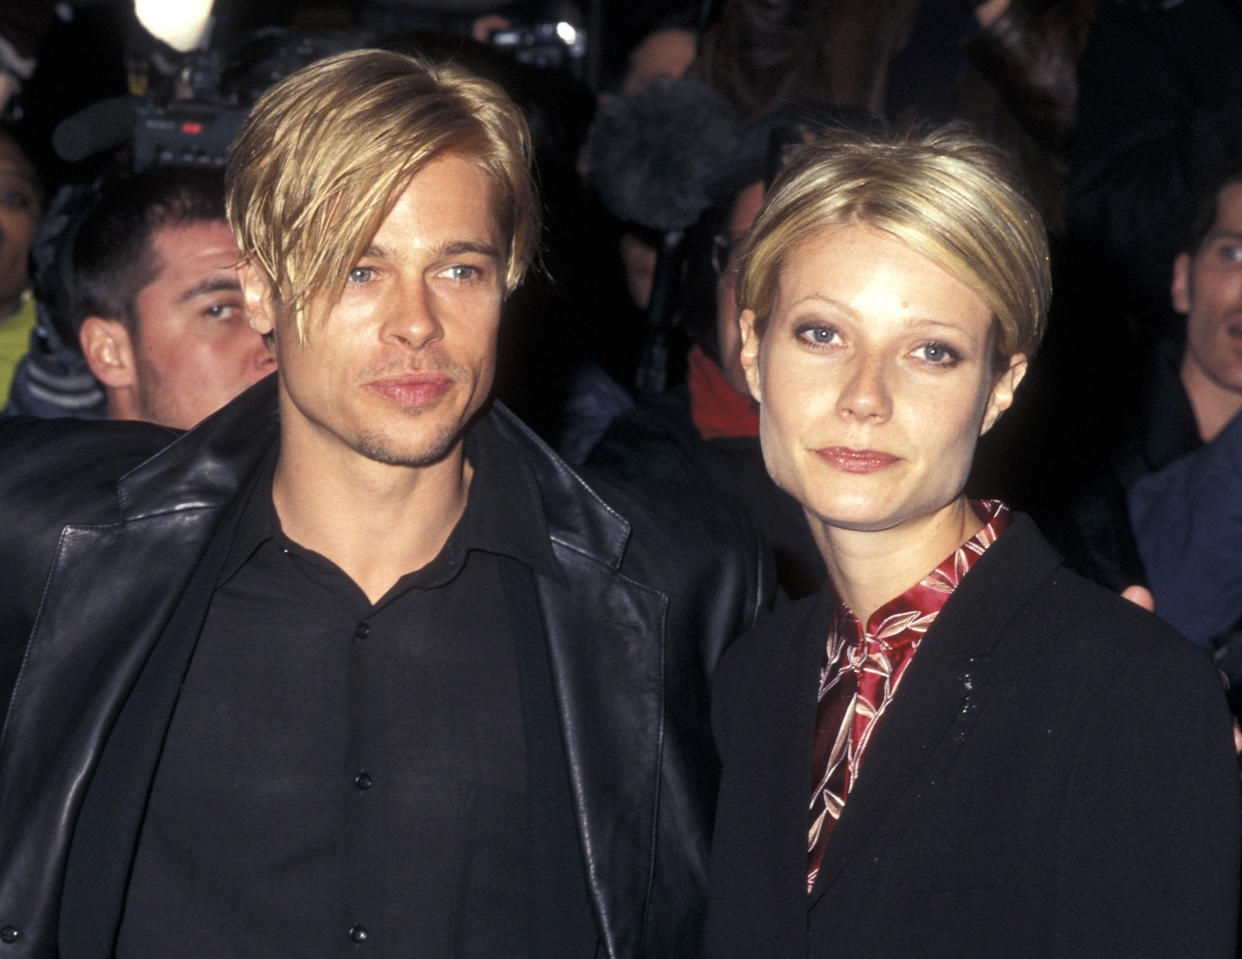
(934, 705)
(943, 691)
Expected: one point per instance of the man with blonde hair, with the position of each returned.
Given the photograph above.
(357, 664)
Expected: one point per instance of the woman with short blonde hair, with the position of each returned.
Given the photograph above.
(958, 748)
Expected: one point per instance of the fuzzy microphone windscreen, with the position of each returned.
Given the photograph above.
(652, 155)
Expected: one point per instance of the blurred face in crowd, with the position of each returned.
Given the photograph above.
(189, 349)
(661, 55)
(19, 218)
(875, 378)
(1207, 288)
(728, 335)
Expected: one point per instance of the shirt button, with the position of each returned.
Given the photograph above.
(10, 934)
(363, 630)
(357, 933)
(363, 780)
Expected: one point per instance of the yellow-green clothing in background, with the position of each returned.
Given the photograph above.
(15, 340)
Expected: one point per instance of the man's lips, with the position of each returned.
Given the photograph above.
(855, 461)
(412, 389)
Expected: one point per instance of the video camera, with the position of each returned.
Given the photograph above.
(186, 105)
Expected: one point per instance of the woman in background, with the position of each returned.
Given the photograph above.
(958, 748)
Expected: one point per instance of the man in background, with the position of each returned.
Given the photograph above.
(156, 297)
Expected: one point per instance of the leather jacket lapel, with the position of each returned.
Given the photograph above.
(605, 636)
(607, 673)
(87, 653)
(114, 805)
(110, 593)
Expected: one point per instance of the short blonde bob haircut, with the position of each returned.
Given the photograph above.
(946, 194)
(326, 153)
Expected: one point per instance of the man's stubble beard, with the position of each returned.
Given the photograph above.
(380, 447)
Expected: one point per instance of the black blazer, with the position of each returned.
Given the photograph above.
(1054, 777)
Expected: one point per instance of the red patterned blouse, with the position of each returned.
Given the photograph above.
(862, 669)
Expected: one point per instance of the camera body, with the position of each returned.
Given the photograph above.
(550, 45)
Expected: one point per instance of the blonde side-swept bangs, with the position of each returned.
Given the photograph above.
(325, 154)
(946, 194)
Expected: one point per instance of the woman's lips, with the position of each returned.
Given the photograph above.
(856, 461)
(412, 389)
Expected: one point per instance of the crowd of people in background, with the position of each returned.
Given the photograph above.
(658, 132)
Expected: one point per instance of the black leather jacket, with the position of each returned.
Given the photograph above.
(97, 567)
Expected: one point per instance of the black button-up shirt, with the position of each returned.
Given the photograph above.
(341, 776)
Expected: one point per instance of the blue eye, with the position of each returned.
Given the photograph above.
(938, 354)
(462, 271)
(361, 274)
(817, 335)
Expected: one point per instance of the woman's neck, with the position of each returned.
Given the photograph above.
(871, 567)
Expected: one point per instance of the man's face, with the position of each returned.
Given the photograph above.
(193, 350)
(1207, 287)
(393, 371)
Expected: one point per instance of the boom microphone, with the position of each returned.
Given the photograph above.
(100, 126)
(654, 154)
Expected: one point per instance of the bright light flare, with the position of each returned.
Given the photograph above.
(181, 24)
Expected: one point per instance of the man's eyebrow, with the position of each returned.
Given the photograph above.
(469, 246)
(451, 248)
(213, 284)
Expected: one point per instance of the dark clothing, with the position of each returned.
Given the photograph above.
(1187, 521)
(1089, 524)
(1159, 121)
(1054, 777)
(409, 768)
(657, 444)
(618, 638)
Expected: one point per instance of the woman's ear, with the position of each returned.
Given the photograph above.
(1003, 389)
(750, 353)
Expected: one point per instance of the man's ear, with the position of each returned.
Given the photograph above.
(109, 352)
(1179, 289)
(1002, 391)
(257, 297)
(750, 353)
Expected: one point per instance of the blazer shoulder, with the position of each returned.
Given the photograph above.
(1022, 604)
(1099, 628)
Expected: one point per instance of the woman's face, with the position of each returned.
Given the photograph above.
(875, 380)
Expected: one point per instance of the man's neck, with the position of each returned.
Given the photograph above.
(375, 521)
(1213, 405)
